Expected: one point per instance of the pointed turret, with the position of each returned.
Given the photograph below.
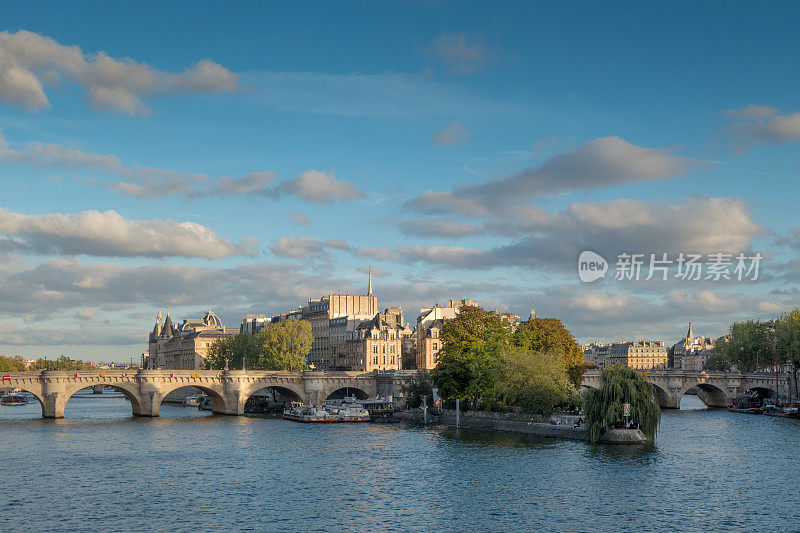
(690, 335)
(369, 284)
(168, 330)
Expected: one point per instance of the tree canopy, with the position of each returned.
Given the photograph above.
(418, 386)
(619, 385)
(279, 346)
(12, 364)
(546, 335)
(484, 364)
(749, 346)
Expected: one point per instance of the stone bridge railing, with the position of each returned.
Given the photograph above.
(228, 390)
(716, 389)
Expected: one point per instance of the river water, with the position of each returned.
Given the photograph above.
(100, 469)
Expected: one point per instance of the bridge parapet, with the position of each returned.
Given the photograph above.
(228, 389)
(718, 389)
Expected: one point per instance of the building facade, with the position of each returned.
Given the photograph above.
(430, 322)
(184, 347)
(691, 353)
(348, 331)
(639, 355)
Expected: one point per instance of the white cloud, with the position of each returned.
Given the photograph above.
(301, 219)
(148, 182)
(29, 60)
(600, 162)
(461, 57)
(305, 248)
(763, 125)
(109, 234)
(320, 187)
(438, 228)
(454, 133)
(697, 224)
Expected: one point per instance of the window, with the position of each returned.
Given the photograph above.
(375, 360)
(393, 360)
(375, 349)
(391, 348)
(435, 345)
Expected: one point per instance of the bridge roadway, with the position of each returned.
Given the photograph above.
(228, 390)
(716, 389)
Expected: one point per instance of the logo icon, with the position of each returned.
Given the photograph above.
(591, 266)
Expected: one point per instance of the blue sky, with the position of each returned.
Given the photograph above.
(251, 155)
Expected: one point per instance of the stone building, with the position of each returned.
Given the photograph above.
(597, 353)
(691, 353)
(430, 322)
(347, 330)
(374, 344)
(639, 355)
(185, 346)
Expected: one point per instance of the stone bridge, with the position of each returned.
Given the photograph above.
(228, 390)
(716, 389)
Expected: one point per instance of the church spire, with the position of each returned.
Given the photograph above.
(369, 284)
(690, 335)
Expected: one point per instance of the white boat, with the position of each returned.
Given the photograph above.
(14, 398)
(309, 414)
(353, 413)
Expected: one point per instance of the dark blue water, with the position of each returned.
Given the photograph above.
(100, 469)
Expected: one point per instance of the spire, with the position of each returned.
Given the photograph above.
(533, 312)
(690, 335)
(369, 285)
(159, 317)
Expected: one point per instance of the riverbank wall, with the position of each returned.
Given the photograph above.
(537, 425)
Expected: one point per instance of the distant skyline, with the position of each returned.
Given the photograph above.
(249, 156)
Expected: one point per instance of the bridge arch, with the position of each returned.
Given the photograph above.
(37, 395)
(218, 403)
(763, 391)
(128, 389)
(288, 392)
(663, 399)
(709, 394)
(345, 392)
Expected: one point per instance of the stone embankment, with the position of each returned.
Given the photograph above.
(540, 426)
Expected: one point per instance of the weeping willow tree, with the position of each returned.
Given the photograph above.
(620, 385)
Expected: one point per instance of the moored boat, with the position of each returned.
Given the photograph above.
(191, 401)
(747, 405)
(309, 414)
(204, 403)
(13, 399)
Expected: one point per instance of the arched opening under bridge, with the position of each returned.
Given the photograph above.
(348, 392)
(270, 400)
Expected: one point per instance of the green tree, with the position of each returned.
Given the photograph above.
(230, 353)
(534, 382)
(12, 364)
(620, 385)
(750, 345)
(717, 361)
(787, 333)
(548, 335)
(471, 344)
(418, 386)
(285, 345)
(62, 363)
(279, 346)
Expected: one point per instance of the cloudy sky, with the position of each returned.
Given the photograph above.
(250, 156)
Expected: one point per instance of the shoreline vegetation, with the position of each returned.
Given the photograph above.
(524, 379)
